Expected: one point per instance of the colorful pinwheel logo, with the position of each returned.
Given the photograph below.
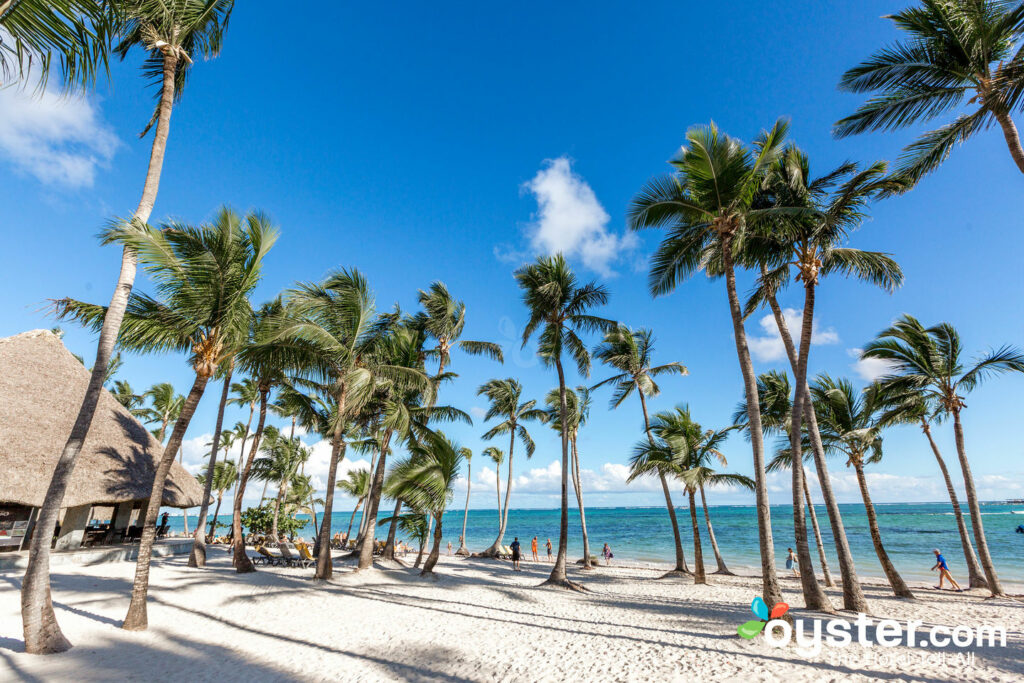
(760, 610)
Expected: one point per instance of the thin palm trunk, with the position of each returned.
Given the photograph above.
(435, 550)
(465, 515)
(372, 504)
(197, 558)
(972, 505)
(853, 593)
(772, 594)
(817, 535)
(389, 546)
(698, 555)
(680, 567)
(722, 569)
(263, 494)
(495, 548)
(579, 500)
(899, 587)
(348, 532)
(558, 576)
(1012, 139)
(136, 619)
(41, 631)
(241, 561)
(324, 564)
(277, 509)
(974, 572)
(245, 437)
(213, 523)
(419, 555)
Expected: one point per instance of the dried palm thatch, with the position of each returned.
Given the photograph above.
(41, 388)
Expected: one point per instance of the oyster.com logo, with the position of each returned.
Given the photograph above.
(751, 628)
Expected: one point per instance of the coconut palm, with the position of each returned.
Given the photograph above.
(204, 276)
(957, 57)
(497, 456)
(414, 526)
(225, 474)
(426, 480)
(357, 485)
(246, 392)
(630, 353)
(468, 456)
(165, 407)
(127, 397)
(708, 205)
(558, 306)
(578, 404)
(850, 426)
(170, 32)
(913, 408)
(928, 362)
(504, 401)
(444, 318)
(278, 465)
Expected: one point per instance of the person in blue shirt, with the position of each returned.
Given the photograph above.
(515, 554)
(940, 564)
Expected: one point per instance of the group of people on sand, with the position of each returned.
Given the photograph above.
(517, 552)
(940, 565)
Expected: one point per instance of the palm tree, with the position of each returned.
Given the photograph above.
(504, 397)
(204, 275)
(850, 426)
(558, 307)
(413, 525)
(170, 31)
(707, 205)
(246, 392)
(954, 51)
(357, 485)
(468, 456)
(497, 456)
(928, 362)
(225, 474)
(426, 480)
(630, 353)
(444, 319)
(578, 404)
(913, 408)
(165, 407)
(279, 464)
(127, 397)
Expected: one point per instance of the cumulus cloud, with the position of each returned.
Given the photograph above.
(571, 220)
(769, 346)
(59, 140)
(869, 369)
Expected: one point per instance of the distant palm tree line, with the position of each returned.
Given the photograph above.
(358, 377)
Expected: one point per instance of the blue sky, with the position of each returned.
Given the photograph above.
(454, 142)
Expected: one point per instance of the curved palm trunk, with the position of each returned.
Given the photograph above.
(698, 555)
(722, 569)
(680, 567)
(1012, 139)
(197, 558)
(419, 555)
(389, 547)
(899, 587)
(324, 564)
(495, 548)
(39, 623)
(579, 500)
(975, 509)
(974, 572)
(213, 524)
(817, 535)
(277, 509)
(348, 532)
(372, 503)
(465, 516)
(137, 620)
(558, 577)
(245, 437)
(853, 593)
(772, 594)
(241, 561)
(435, 550)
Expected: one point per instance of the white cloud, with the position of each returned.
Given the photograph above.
(477, 412)
(869, 369)
(571, 220)
(770, 347)
(59, 140)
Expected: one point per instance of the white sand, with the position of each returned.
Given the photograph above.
(478, 621)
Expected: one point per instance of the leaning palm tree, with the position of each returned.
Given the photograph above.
(225, 474)
(170, 32)
(504, 397)
(246, 392)
(928, 362)
(655, 456)
(444, 319)
(559, 309)
(956, 53)
(578, 404)
(357, 485)
(708, 206)
(414, 526)
(497, 456)
(468, 456)
(165, 407)
(127, 397)
(850, 426)
(630, 352)
(204, 276)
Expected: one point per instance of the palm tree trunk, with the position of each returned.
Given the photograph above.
(241, 561)
(41, 631)
(419, 555)
(277, 510)
(465, 515)
(213, 523)
(722, 569)
(1012, 138)
(197, 558)
(975, 509)
(853, 593)
(558, 576)
(263, 494)
(245, 437)
(348, 533)
(974, 572)
(136, 620)
(680, 567)
(372, 504)
(389, 546)
(770, 582)
(698, 555)
(324, 564)
(435, 550)
(817, 535)
(495, 548)
(899, 587)
(579, 500)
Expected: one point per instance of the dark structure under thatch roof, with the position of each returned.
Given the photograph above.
(41, 389)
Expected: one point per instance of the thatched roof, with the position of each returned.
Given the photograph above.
(41, 389)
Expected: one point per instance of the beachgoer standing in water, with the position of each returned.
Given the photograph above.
(533, 547)
(550, 556)
(607, 552)
(791, 562)
(940, 564)
(515, 554)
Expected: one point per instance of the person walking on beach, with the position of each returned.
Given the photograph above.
(515, 554)
(940, 564)
(791, 562)
(449, 547)
(533, 547)
(550, 556)
(607, 552)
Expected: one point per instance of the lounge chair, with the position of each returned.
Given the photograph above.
(292, 559)
(306, 554)
(269, 557)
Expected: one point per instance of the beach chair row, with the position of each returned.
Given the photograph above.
(287, 555)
